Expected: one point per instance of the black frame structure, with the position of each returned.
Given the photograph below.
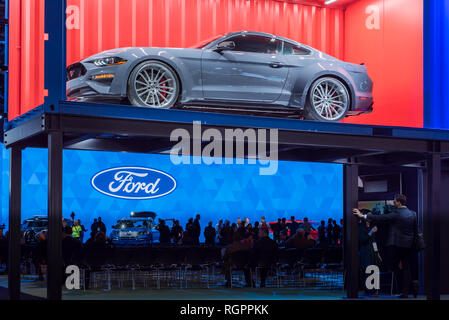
(59, 125)
(372, 146)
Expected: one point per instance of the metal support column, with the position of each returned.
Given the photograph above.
(432, 219)
(55, 62)
(351, 230)
(15, 192)
(54, 270)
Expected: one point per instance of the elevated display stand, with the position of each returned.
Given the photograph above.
(100, 127)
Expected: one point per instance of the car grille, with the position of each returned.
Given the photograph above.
(75, 70)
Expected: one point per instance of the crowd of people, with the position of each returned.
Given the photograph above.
(388, 239)
(285, 233)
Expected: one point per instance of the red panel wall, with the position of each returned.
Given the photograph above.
(26, 56)
(97, 25)
(393, 53)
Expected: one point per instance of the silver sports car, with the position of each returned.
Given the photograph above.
(241, 69)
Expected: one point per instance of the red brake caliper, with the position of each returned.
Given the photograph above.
(163, 84)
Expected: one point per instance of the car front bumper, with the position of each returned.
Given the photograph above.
(91, 82)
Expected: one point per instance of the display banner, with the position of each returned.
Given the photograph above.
(227, 192)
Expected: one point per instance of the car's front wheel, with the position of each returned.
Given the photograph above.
(328, 100)
(153, 84)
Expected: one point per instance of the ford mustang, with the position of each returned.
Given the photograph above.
(241, 69)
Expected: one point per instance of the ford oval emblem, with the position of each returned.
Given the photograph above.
(133, 183)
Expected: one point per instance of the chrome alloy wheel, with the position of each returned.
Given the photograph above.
(330, 99)
(156, 85)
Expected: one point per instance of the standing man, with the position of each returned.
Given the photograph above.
(337, 232)
(209, 234)
(263, 223)
(76, 230)
(264, 253)
(176, 232)
(196, 229)
(277, 227)
(322, 241)
(330, 232)
(101, 227)
(293, 226)
(403, 228)
(164, 232)
(307, 227)
(94, 227)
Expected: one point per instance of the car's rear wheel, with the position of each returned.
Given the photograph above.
(153, 84)
(328, 100)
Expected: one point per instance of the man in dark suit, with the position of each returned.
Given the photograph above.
(94, 226)
(164, 232)
(209, 234)
(264, 254)
(293, 226)
(101, 226)
(403, 228)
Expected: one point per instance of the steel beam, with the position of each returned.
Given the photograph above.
(24, 132)
(15, 190)
(54, 269)
(351, 230)
(149, 128)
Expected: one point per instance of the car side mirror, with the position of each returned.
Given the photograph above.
(225, 45)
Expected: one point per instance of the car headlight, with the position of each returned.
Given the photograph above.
(109, 61)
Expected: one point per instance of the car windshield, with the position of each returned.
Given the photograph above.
(124, 224)
(206, 42)
(36, 223)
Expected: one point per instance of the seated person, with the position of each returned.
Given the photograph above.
(235, 250)
(264, 254)
(299, 241)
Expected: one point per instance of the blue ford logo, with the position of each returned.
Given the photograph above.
(133, 183)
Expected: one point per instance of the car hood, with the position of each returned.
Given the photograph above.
(134, 52)
(132, 230)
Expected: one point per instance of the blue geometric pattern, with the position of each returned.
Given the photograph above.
(213, 191)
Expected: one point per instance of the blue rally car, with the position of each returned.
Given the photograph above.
(137, 230)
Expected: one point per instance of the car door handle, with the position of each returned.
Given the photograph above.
(276, 65)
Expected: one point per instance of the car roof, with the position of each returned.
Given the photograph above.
(37, 218)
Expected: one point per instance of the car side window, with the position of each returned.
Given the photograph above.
(293, 49)
(257, 44)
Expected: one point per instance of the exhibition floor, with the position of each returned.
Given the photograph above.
(32, 290)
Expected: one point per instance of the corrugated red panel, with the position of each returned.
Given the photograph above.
(97, 25)
(26, 49)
